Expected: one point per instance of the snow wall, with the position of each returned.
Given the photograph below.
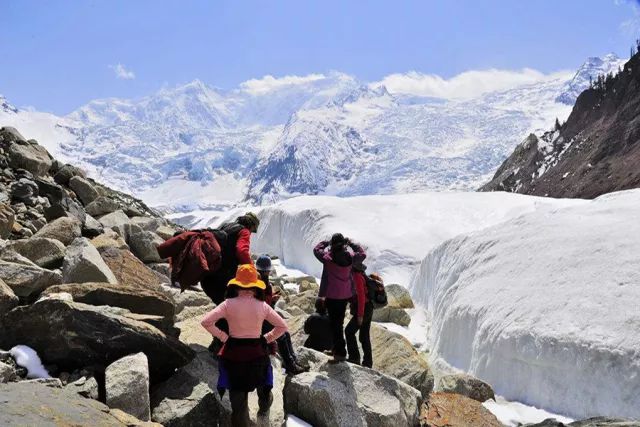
(398, 231)
(545, 307)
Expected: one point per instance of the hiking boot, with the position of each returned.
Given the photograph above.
(337, 359)
(265, 405)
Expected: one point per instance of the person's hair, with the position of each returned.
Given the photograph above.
(234, 290)
(320, 308)
(376, 277)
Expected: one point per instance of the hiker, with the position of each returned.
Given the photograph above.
(362, 312)
(336, 285)
(318, 327)
(235, 251)
(285, 346)
(244, 364)
(235, 247)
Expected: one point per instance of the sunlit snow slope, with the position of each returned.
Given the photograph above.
(545, 306)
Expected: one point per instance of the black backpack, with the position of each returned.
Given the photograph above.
(375, 292)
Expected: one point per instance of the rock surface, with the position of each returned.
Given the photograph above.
(42, 251)
(455, 410)
(136, 300)
(64, 229)
(31, 157)
(28, 404)
(75, 335)
(83, 189)
(83, 263)
(101, 206)
(127, 385)
(144, 246)
(129, 270)
(391, 315)
(28, 281)
(8, 298)
(7, 218)
(466, 385)
(398, 296)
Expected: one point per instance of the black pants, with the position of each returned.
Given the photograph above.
(240, 405)
(365, 338)
(337, 309)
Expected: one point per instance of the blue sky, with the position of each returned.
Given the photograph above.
(58, 55)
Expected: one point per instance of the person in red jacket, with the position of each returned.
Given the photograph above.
(362, 311)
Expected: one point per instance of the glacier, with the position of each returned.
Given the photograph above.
(544, 306)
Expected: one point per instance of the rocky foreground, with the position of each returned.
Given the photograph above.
(82, 284)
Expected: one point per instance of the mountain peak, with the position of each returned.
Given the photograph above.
(590, 69)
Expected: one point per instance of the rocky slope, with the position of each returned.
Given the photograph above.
(322, 134)
(596, 151)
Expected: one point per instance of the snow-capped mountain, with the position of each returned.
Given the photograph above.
(592, 68)
(195, 146)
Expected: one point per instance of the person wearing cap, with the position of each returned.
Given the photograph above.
(362, 312)
(285, 346)
(236, 250)
(336, 284)
(244, 364)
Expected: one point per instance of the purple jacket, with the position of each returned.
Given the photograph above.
(336, 282)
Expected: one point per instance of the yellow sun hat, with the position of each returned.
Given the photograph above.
(247, 277)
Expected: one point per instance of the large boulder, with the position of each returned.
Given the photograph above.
(455, 410)
(389, 314)
(32, 404)
(115, 221)
(27, 281)
(83, 263)
(91, 227)
(148, 223)
(8, 298)
(65, 173)
(50, 190)
(109, 239)
(83, 189)
(466, 385)
(67, 207)
(101, 206)
(129, 270)
(349, 395)
(398, 296)
(127, 385)
(11, 134)
(144, 245)
(7, 218)
(72, 335)
(42, 251)
(7, 373)
(305, 301)
(31, 157)
(394, 355)
(64, 229)
(136, 300)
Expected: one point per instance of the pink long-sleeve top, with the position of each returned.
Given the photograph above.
(245, 315)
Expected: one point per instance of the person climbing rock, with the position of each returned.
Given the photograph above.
(362, 312)
(244, 364)
(235, 242)
(318, 327)
(336, 284)
(285, 346)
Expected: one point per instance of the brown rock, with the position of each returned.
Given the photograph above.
(7, 218)
(129, 270)
(8, 298)
(455, 410)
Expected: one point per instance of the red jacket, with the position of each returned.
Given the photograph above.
(192, 253)
(243, 245)
(361, 291)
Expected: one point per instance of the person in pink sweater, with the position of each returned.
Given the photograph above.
(244, 364)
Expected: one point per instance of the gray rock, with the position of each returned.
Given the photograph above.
(9, 133)
(306, 285)
(305, 301)
(47, 382)
(64, 229)
(7, 218)
(163, 268)
(8, 298)
(147, 223)
(86, 387)
(127, 385)
(7, 373)
(187, 298)
(67, 207)
(33, 158)
(83, 189)
(166, 232)
(24, 190)
(42, 251)
(30, 404)
(50, 190)
(348, 395)
(144, 246)
(74, 335)
(101, 206)
(27, 281)
(115, 221)
(392, 315)
(137, 300)
(398, 297)
(466, 385)
(13, 256)
(83, 263)
(66, 172)
(91, 228)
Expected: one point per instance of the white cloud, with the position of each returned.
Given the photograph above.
(122, 73)
(268, 83)
(466, 85)
(631, 27)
